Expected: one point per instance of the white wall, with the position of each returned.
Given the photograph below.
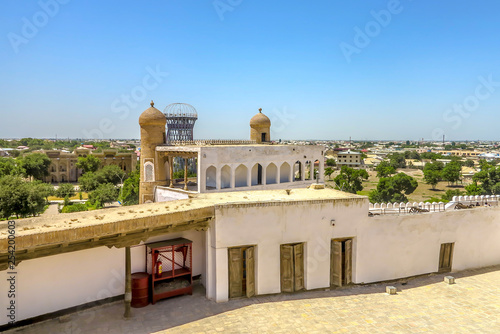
(61, 281)
(393, 247)
(57, 282)
(268, 226)
(384, 247)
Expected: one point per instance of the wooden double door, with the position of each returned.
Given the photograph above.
(292, 267)
(241, 271)
(341, 262)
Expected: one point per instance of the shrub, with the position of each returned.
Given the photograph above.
(75, 207)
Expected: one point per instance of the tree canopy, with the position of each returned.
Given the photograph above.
(329, 172)
(432, 173)
(385, 169)
(104, 193)
(393, 189)
(331, 162)
(22, 198)
(108, 174)
(397, 160)
(35, 165)
(488, 179)
(350, 179)
(88, 164)
(65, 190)
(452, 172)
(130, 190)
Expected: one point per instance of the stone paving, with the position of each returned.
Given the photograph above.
(423, 304)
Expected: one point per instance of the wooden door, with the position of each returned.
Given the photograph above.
(286, 264)
(348, 262)
(235, 272)
(445, 257)
(298, 259)
(250, 271)
(336, 263)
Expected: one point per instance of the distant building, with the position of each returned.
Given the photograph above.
(63, 164)
(349, 158)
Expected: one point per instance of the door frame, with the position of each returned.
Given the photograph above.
(445, 248)
(249, 290)
(346, 262)
(297, 279)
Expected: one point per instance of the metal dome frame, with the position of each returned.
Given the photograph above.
(181, 118)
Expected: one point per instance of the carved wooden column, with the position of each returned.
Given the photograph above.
(128, 283)
(185, 174)
(171, 166)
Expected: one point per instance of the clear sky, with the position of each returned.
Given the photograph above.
(319, 69)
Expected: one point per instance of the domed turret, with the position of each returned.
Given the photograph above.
(152, 116)
(260, 128)
(152, 122)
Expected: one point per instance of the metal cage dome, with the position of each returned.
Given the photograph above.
(180, 110)
(180, 121)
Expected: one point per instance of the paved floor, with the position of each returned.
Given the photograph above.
(424, 304)
(51, 210)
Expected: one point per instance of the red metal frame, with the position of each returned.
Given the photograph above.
(177, 270)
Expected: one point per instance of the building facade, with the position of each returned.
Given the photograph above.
(63, 164)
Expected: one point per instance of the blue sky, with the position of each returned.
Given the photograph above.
(320, 70)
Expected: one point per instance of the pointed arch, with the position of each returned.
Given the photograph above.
(271, 174)
(285, 172)
(256, 174)
(225, 177)
(240, 176)
(210, 174)
(149, 172)
(297, 171)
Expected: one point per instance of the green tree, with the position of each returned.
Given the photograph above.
(469, 163)
(111, 174)
(350, 179)
(14, 153)
(104, 193)
(448, 196)
(45, 189)
(11, 196)
(331, 162)
(385, 169)
(329, 172)
(108, 174)
(474, 189)
(452, 172)
(35, 165)
(65, 190)
(488, 178)
(397, 160)
(90, 181)
(8, 167)
(21, 198)
(393, 189)
(432, 173)
(36, 198)
(129, 194)
(88, 164)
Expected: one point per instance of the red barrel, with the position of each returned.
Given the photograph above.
(140, 290)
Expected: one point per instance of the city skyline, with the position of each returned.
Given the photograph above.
(405, 70)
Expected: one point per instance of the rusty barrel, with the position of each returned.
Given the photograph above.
(140, 290)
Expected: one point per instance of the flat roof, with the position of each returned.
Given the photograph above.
(158, 214)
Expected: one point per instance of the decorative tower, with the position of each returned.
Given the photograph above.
(260, 128)
(180, 121)
(152, 123)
